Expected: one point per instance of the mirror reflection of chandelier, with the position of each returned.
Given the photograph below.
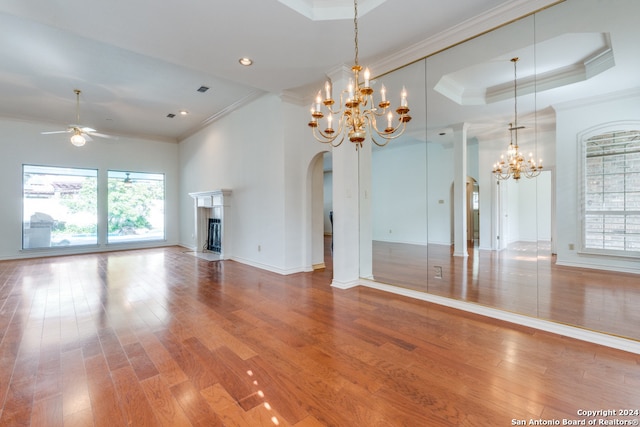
(358, 113)
(514, 164)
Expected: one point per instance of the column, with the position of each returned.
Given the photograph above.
(460, 189)
(346, 222)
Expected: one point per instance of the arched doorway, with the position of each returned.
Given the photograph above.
(319, 204)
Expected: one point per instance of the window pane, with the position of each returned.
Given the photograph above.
(614, 183)
(614, 224)
(594, 201)
(613, 202)
(614, 164)
(59, 207)
(633, 181)
(594, 166)
(633, 242)
(594, 242)
(136, 206)
(614, 242)
(633, 224)
(633, 162)
(633, 201)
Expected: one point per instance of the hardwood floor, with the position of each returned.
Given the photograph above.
(158, 337)
(523, 279)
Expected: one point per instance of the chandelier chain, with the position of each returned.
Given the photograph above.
(355, 28)
(515, 94)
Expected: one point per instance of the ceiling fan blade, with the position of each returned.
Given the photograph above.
(86, 129)
(55, 131)
(101, 135)
(87, 137)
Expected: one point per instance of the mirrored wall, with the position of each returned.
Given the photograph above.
(562, 246)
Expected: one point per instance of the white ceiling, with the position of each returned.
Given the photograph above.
(138, 60)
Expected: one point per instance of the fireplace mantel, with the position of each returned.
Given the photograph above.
(213, 204)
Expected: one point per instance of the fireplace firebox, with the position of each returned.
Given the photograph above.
(214, 239)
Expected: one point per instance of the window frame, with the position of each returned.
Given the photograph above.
(134, 176)
(60, 170)
(584, 140)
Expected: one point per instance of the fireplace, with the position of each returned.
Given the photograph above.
(212, 223)
(214, 239)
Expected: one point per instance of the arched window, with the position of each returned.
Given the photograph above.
(611, 208)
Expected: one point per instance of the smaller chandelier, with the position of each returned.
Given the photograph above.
(514, 163)
(358, 113)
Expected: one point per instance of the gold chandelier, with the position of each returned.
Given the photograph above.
(357, 113)
(515, 165)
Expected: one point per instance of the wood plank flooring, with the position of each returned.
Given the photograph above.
(522, 279)
(157, 337)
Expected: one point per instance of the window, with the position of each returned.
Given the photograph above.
(136, 207)
(612, 193)
(59, 207)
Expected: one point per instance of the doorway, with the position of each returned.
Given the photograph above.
(524, 210)
(473, 212)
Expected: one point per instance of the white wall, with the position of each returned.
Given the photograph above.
(245, 156)
(440, 171)
(302, 159)
(399, 193)
(21, 143)
(262, 152)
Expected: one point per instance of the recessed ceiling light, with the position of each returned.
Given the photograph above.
(171, 115)
(245, 61)
(183, 112)
(203, 89)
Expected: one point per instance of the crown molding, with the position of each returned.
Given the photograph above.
(490, 20)
(220, 114)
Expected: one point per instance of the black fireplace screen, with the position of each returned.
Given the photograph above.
(214, 240)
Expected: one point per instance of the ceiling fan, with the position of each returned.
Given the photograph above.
(81, 134)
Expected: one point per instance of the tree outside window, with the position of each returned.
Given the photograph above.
(135, 206)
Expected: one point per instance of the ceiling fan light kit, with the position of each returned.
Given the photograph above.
(77, 139)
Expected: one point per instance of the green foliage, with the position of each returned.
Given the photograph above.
(84, 200)
(130, 205)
